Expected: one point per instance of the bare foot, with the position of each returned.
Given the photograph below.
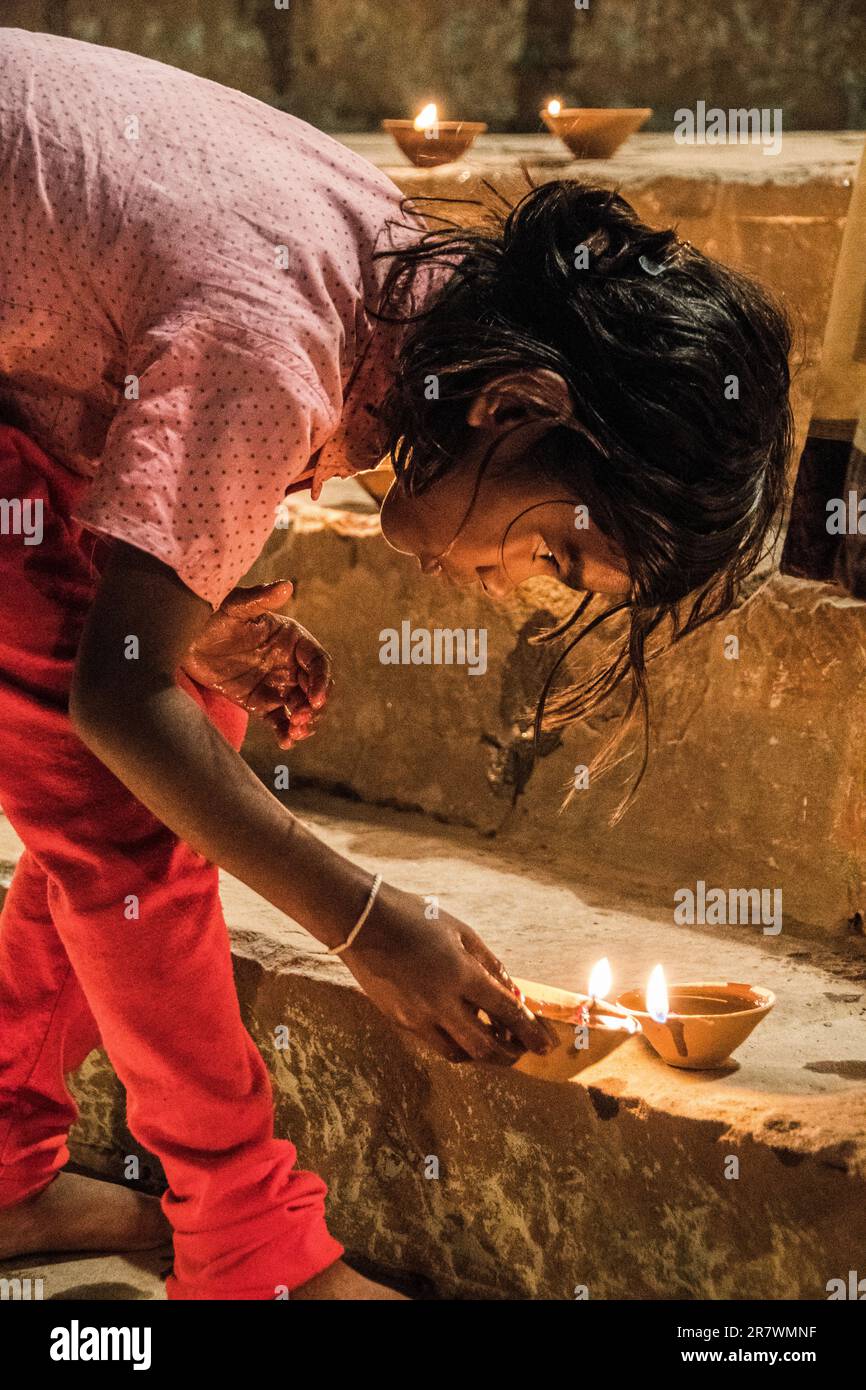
(79, 1213)
(338, 1281)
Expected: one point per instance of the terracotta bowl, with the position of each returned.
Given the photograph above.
(452, 139)
(706, 1024)
(595, 132)
(560, 1007)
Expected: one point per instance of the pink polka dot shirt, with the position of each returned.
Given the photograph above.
(185, 283)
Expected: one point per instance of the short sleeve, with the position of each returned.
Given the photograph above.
(214, 425)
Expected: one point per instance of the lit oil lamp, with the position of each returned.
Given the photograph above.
(696, 1026)
(593, 132)
(588, 1026)
(591, 1010)
(429, 141)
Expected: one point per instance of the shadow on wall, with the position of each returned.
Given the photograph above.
(345, 64)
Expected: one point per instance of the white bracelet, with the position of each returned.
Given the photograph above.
(377, 884)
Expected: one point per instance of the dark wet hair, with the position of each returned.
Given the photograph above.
(677, 368)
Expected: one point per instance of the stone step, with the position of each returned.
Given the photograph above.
(615, 1176)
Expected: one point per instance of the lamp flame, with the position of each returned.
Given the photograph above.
(426, 117)
(554, 107)
(657, 1002)
(600, 979)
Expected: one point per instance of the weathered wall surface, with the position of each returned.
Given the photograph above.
(759, 762)
(344, 64)
(758, 766)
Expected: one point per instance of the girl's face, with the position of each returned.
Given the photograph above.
(509, 530)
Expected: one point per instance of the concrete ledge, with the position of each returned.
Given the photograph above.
(826, 158)
(612, 1176)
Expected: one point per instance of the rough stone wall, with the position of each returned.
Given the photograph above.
(600, 1185)
(344, 64)
(810, 59)
(758, 762)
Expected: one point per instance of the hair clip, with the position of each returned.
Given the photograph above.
(651, 267)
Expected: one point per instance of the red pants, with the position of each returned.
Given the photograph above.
(81, 965)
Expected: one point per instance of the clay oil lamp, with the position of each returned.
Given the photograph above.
(696, 1026)
(593, 132)
(588, 1026)
(427, 141)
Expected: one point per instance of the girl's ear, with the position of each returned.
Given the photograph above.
(521, 396)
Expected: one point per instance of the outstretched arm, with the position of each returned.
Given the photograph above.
(429, 977)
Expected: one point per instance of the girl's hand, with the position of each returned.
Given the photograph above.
(263, 661)
(431, 978)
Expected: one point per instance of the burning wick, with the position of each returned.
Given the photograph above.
(554, 107)
(594, 1012)
(657, 1001)
(598, 1010)
(600, 981)
(426, 117)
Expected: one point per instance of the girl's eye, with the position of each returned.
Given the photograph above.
(546, 556)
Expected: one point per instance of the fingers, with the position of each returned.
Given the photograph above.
(506, 1009)
(297, 734)
(314, 675)
(291, 726)
(287, 710)
(301, 717)
(449, 1048)
(258, 598)
(479, 1041)
(482, 952)
(499, 1001)
(279, 721)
